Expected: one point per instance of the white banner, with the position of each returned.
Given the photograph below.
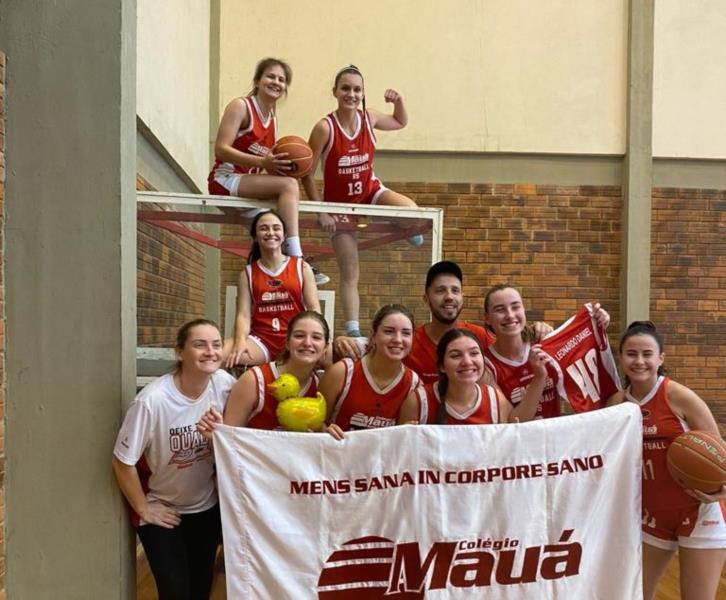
(546, 509)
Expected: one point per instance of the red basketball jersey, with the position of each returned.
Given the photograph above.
(660, 427)
(276, 299)
(348, 162)
(484, 412)
(361, 404)
(264, 414)
(586, 375)
(422, 358)
(257, 138)
(513, 377)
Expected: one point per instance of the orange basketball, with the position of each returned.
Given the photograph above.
(697, 460)
(298, 152)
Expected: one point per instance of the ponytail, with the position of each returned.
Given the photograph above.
(441, 386)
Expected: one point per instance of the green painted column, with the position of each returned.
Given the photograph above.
(70, 293)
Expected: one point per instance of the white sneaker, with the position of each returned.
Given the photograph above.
(416, 240)
(251, 213)
(320, 277)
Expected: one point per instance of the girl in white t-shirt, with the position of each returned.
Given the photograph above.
(165, 469)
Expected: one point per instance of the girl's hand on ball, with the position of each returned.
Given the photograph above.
(708, 498)
(277, 164)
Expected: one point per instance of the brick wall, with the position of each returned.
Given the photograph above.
(170, 280)
(688, 287)
(559, 245)
(2, 325)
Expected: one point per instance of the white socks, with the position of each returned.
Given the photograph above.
(292, 247)
(352, 328)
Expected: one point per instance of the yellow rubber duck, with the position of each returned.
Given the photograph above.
(284, 387)
(294, 413)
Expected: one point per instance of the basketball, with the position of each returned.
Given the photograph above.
(697, 460)
(298, 152)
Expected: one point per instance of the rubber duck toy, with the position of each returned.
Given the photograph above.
(284, 387)
(295, 413)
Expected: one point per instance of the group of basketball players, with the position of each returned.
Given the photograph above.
(444, 371)
(343, 139)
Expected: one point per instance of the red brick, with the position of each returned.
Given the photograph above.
(170, 282)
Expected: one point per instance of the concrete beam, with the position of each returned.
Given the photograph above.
(638, 165)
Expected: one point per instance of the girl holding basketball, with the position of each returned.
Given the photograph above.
(165, 469)
(346, 142)
(459, 397)
(243, 150)
(517, 365)
(673, 518)
(273, 288)
(371, 391)
(250, 402)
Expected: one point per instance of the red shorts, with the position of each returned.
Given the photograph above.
(694, 526)
(217, 190)
(271, 344)
(370, 195)
(349, 222)
(375, 189)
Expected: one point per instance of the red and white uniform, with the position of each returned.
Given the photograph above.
(276, 298)
(257, 138)
(159, 436)
(361, 404)
(264, 414)
(670, 516)
(513, 377)
(422, 358)
(584, 365)
(348, 163)
(484, 412)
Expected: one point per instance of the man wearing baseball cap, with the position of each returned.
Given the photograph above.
(444, 296)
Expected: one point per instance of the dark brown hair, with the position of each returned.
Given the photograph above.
(390, 309)
(443, 383)
(642, 328)
(255, 249)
